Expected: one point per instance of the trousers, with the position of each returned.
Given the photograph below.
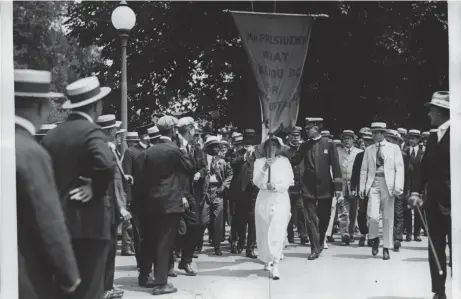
(362, 216)
(398, 218)
(245, 214)
(334, 212)
(412, 222)
(298, 217)
(318, 213)
(347, 214)
(379, 200)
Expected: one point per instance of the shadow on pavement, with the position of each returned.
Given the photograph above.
(394, 297)
(126, 268)
(416, 259)
(358, 256)
(235, 273)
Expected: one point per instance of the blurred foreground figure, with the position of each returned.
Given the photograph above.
(46, 258)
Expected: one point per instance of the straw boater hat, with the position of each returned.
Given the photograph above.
(440, 99)
(425, 135)
(84, 92)
(153, 133)
(347, 133)
(107, 121)
(393, 134)
(402, 131)
(132, 136)
(367, 135)
(414, 133)
(363, 130)
(326, 133)
(378, 127)
(433, 131)
(249, 137)
(34, 84)
(45, 129)
(212, 140)
(118, 125)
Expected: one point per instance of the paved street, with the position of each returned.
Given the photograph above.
(342, 272)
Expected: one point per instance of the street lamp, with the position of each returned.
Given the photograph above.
(123, 18)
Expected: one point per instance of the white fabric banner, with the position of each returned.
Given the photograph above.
(277, 47)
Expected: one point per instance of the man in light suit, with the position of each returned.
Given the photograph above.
(347, 206)
(381, 179)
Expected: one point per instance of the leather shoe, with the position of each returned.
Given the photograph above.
(217, 251)
(313, 256)
(172, 273)
(362, 241)
(233, 248)
(198, 249)
(346, 240)
(251, 254)
(408, 238)
(439, 296)
(127, 252)
(239, 249)
(330, 239)
(351, 239)
(386, 255)
(187, 268)
(304, 241)
(291, 240)
(145, 281)
(418, 239)
(374, 246)
(397, 246)
(164, 289)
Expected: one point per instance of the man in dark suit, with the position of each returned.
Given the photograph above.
(414, 184)
(244, 194)
(45, 255)
(355, 185)
(321, 162)
(79, 150)
(435, 179)
(163, 199)
(44, 129)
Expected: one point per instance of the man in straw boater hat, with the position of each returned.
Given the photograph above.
(44, 129)
(116, 195)
(318, 189)
(297, 206)
(413, 225)
(436, 181)
(80, 153)
(382, 177)
(143, 135)
(326, 134)
(404, 139)
(348, 204)
(393, 136)
(217, 180)
(46, 258)
(367, 138)
(153, 135)
(163, 202)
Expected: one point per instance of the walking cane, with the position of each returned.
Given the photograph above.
(431, 245)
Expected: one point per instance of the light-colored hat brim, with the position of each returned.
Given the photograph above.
(121, 131)
(155, 137)
(212, 143)
(104, 92)
(109, 127)
(39, 95)
(347, 135)
(428, 104)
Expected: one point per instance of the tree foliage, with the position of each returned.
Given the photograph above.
(40, 43)
(367, 61)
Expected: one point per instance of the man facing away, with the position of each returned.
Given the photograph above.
(79, 150)
(318, 187)
(45, 256)
(347, 206)
(381, 179)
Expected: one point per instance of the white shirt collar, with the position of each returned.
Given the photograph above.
(112, 145)
(444, 126)
(26, 124)
(384, 142)
(89, 118)
(165, 138)
(142, 144)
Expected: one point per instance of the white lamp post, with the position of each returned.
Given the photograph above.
(123, 18)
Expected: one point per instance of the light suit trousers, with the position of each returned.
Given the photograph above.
(331, 224)
(379, 200)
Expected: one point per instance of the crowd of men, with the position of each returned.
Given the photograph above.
(175, 181)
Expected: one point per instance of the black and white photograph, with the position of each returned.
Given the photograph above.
(230, 149)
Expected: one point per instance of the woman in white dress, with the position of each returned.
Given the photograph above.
(272, 210)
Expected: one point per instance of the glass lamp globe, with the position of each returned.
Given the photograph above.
(123, 18)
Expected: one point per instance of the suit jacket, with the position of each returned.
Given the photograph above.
(435, 173)
(317, 179)
(79, 148)
(356, 168)
(394, 170)
(346, 161)
(162, 187)
(44, 244)
(223, 172)
(413, 182)
(132, 167)
(298, 171)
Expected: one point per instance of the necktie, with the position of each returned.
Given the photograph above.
(379, 158)
(413, 154)
(212, 166)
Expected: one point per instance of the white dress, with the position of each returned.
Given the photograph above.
(272, 209)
